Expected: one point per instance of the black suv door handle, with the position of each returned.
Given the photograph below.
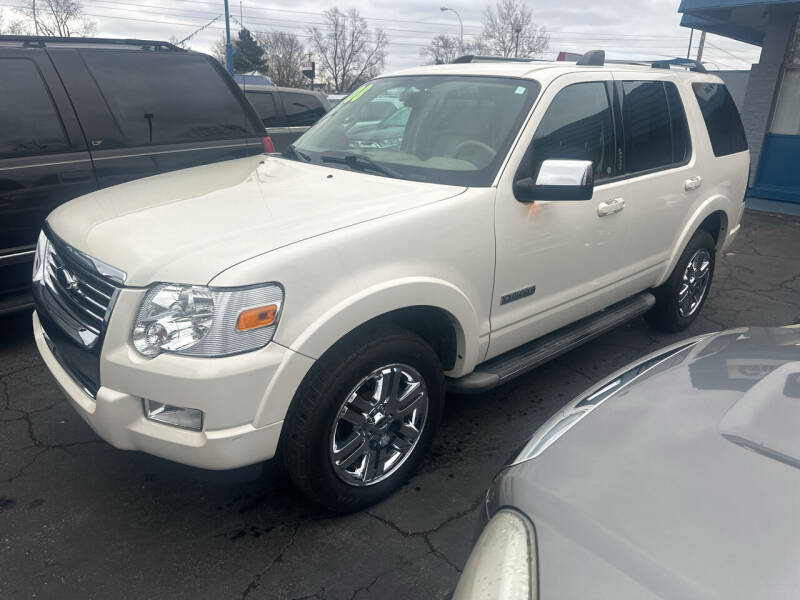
(77, 176)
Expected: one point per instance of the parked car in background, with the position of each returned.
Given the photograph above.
(319, 301)
(334, 99)
(676, 477)
(286, 113)
(77, 115)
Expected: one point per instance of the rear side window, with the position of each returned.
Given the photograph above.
(29, 122)
(264, 103)
(577, 125)
(722, 118)
(645, 117)
(301, 109)
(681, 141)
(164, 98)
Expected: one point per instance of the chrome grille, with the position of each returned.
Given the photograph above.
(81, 297)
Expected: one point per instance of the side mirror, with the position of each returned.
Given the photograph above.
(558, 180)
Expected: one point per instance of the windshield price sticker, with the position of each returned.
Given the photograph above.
(358, 93)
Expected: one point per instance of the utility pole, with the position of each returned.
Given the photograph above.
(35, 20)
(228, 47)
(700, 47)
(517, 30)
(689, 49)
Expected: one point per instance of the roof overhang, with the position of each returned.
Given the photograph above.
(736, 19)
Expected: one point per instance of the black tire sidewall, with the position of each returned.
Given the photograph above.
(670, 318)
(341, 370)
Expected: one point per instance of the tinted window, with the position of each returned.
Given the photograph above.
(264, 103)
(645, 118)
(29, 123)
(681, 142)
(577, 125)
(721, 117)
(163, 98)
(301, 109)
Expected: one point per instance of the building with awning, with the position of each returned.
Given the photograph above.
(771, 107)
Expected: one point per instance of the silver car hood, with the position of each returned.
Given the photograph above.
(683, 484)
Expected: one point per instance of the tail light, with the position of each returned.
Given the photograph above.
(268, 145)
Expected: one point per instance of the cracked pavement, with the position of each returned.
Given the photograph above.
(80, 519)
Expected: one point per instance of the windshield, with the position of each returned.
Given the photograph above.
(449, 129)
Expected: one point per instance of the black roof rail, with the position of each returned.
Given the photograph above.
(474, 58)
(692, 65)
(592, 58)
(42, 41)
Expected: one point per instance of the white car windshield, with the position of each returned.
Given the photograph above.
(453, 129)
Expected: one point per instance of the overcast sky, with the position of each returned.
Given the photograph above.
(624, 28)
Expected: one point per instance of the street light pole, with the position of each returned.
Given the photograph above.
(228, 47)
(461, 28)
(517, 30)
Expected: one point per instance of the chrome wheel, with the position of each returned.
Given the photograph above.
(378, 425)
(694, 283)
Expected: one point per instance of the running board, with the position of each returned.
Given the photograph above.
(519, 361)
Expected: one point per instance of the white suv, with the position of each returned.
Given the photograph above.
(315, 306)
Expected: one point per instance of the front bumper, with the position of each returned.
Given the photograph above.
(244, 399)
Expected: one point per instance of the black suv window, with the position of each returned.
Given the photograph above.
(722, 118)
(163, 98)
(264, 103)
(29, 122)
(681, 141)
(577, 125)
(302, 109)
(645, 117)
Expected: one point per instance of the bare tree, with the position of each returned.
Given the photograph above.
(509, 30)
(349, 52)
(12, 26)
(442, 49)
(58, 18)
(284, 52)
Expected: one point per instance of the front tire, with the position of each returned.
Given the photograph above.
(680, 298)
(364, 418)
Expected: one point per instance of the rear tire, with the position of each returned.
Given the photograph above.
(364, 418)
(681, 297)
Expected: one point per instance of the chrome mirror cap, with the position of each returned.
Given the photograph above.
(573, 173)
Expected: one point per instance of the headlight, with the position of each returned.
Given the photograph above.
(200, 321)
(502, 565)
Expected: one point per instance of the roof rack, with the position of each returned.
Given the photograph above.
(475, 58)
(42, 41)
(597, 58)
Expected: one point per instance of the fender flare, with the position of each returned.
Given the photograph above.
(712, 204)
(386, 297)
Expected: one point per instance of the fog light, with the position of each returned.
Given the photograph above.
(177, 416)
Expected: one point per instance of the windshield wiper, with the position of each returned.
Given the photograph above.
(362, 162)
(291, 151)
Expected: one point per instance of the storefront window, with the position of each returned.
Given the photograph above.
(786, 119)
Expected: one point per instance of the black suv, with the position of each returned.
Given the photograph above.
(79, 114)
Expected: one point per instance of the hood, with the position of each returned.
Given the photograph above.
(684, 484)
(189, 225)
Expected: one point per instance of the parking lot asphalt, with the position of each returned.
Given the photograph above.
(80, 519)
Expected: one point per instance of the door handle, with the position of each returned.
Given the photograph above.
(692, 183)
(610, 207)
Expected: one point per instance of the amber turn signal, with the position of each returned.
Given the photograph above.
(253, 318)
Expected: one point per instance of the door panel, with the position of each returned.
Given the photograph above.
(565, 249)
(661, 174)
(43, 158)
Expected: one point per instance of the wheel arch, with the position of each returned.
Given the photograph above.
(435, 310)
(712, 216)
